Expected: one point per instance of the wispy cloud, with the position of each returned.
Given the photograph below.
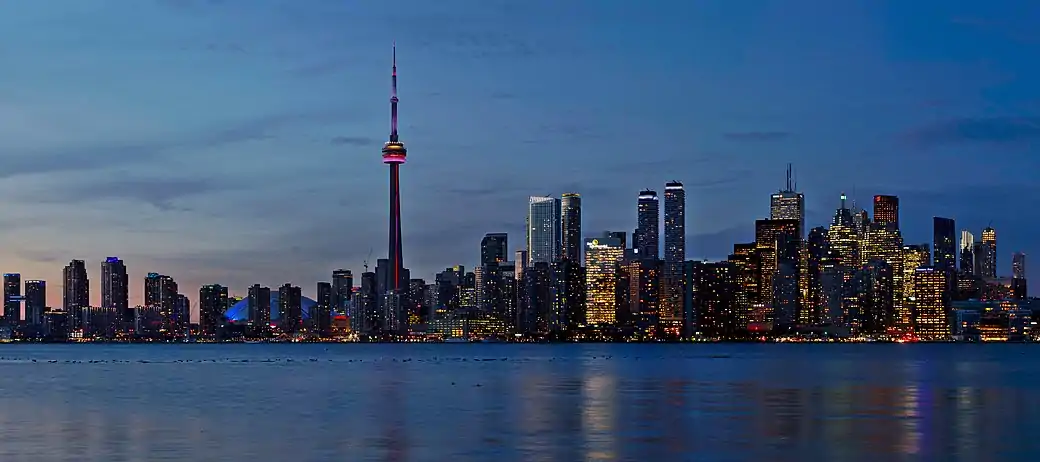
(127, 153)
(161, 193)
(360, 141)
(1002, 130)
(757, 136)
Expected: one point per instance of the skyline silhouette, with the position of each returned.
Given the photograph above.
(223, 143)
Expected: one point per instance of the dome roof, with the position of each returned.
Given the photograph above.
(239, 312)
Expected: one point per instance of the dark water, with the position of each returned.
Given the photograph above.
(519, 402)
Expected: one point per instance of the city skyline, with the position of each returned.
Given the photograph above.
(124, 177)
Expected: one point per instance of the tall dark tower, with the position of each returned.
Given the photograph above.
(648, 235)
(394, 155)
(570, 210)
(674, 250)
(944, 243)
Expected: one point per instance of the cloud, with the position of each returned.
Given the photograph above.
(985, 130)
(360, 141)
(161, 193)
(757, 136)
(123, 154)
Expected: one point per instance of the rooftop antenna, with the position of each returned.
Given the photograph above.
(788, 185)
(365, 263)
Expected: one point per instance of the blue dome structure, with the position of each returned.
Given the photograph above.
(239, 312)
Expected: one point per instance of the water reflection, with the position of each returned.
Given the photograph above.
(545, 403)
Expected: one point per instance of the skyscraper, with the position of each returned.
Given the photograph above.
(788, 204)
(543, 230)
(322, 315)
(394, 154)
(12, 298)
(886, 211)
(76, 293)
(967, 252)
(602, 257)
(290, 308)
(647, 238)
(914, 257)
(989, 260)
(161, 291)
(568, 297)
(932, 303)
(213, 301)
(571, 226)
(842, 238)
(35, 301)
(115, 288)
(260, 309)
(814, 305)
(944, 244)
(494, 248)
(342, 290)
(776, 243)
(1018, 265)
(674, 250)
(713, 294)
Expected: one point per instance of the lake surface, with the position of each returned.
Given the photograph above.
(723, 402)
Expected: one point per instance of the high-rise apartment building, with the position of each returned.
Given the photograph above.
(115, 285)
(568, 297)
(648, 234)
(322, 311)
(788, 204)
(842, 238)
(932, 303)
(872, 287)
(76, 293)
(213, 302)
(914, 256)
(674, 251)
(886, 211)
(777, 243)
(713, 298)
(944, 244)
(494, 248)
(988, 264)
(602, 257)
(884, 243)
(342, 290)
(290, 308)
(35, 301)
(967, 252)
(746, 262)
(543, 230)
(161, 292)
(570, 222)
(260, 309)
(12, 298)
(814, 304)
(1018, 265)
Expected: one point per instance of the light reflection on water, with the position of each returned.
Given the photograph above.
(518, 402)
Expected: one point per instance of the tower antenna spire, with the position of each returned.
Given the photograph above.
(393, 96)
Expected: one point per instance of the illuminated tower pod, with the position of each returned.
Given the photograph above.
(394, 155)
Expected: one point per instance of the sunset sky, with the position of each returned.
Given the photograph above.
(237, 141)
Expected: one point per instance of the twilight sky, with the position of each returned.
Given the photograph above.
(237, 141)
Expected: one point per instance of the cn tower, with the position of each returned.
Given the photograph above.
(394, 155)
